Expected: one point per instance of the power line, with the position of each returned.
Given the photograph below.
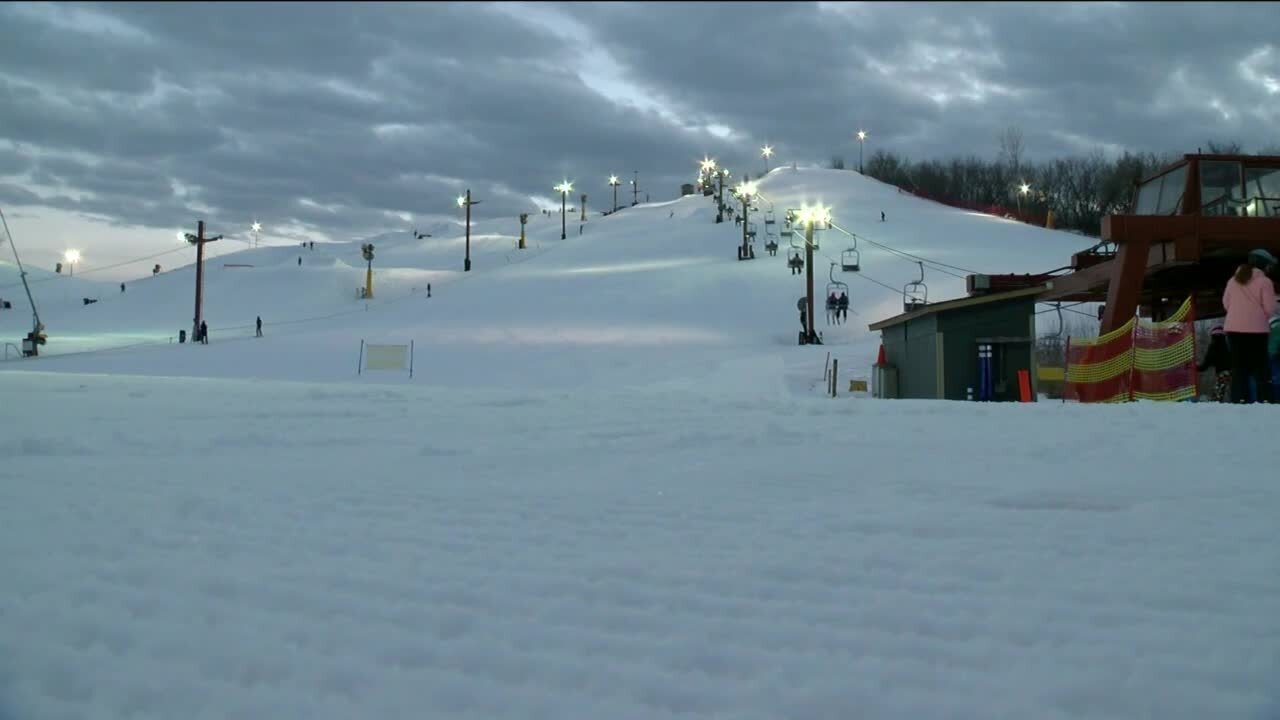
(935, 265)
(917, 258)
(98, 269)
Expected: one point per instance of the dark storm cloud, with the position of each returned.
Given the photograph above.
(342, 116)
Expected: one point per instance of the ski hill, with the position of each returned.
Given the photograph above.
(613, 488)
(649, 294)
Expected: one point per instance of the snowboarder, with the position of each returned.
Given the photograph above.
(299, 261)
(204, 333)
(121, 287)
(259, 326)
(428, 289)
(881, 216)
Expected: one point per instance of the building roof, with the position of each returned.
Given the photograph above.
(956, 304)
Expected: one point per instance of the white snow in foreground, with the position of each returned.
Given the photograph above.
(194, 548)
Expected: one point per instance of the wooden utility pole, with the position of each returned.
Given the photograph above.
(199, 241)
(584, 208)
(524, 220)
(466, 202)
(808, 280)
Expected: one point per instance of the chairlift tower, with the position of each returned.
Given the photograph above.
(366, 250)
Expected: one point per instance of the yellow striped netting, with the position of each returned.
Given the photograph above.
(1098, 372)
(1186, 392)
(1119, 332)
(1178, 353)
(1108, 369)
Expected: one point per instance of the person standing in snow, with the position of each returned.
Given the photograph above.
(121, 287)
(1218, 359)
(1250, 301)
(881, 216)
(259, 326)
(204, 333)
(299, 261)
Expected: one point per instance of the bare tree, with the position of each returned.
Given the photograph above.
(1011, 149)
(1230, 147)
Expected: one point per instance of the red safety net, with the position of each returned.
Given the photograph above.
(1141, 360)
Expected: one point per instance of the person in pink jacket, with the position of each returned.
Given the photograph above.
(1250, 301)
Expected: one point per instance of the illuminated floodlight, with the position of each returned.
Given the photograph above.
(814, 215)
(71, 256)
(766, 151)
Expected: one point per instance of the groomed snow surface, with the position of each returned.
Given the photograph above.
(238, 549)
(612, 489)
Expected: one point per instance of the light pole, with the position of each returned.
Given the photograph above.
(766, 152)
(811, 215)
(862, 138)
(71, 257)
(635, 188)
(707, 170)
(584, 208)
(614, 182)
(257, 228)
(721, 174)
(746, 191)
(465, 201)
(199, 240)
(565, 188)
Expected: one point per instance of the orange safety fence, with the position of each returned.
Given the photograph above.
(1142, 360)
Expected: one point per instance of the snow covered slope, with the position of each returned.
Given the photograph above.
(648, 294)
(178, 548)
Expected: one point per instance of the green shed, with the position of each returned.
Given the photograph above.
(932, 352)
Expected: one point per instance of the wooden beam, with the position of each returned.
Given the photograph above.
(1127, 276)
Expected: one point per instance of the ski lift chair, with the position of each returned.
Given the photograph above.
(850, 260)
(915, 294)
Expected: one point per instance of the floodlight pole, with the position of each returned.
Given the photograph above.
(614, 182)
(564, 198)
(720, 197)
(199, 240)
(635, 188)
(584, 208)
(746, 207)
(466, 262)
(808, 280)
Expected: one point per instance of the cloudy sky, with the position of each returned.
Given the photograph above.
(121, 124)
